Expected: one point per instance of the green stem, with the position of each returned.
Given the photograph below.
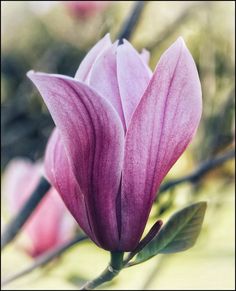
(114, 268)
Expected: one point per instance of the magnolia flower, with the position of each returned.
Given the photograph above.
(119, 130)
(83, 9)
(51, 224)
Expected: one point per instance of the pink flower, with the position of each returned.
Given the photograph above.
(119, 130)
(51, 224)
(84, 9)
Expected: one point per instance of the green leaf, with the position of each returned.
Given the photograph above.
(178, 234)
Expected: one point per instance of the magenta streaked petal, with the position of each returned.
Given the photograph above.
(161, 128)
(119, 130)
(87, 63)
(93, 137)
(60, 175)
(133, 78)
(103, 78)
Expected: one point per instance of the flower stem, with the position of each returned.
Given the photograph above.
(114, 268)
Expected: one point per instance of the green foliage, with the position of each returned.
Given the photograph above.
(178, 234)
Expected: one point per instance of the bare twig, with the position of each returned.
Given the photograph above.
(131, 21)
(46, 258)
(19, 220)
(202, 170)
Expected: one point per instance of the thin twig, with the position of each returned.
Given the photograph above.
(46, 258)
(131, 21)
(202, 170)
(19, 220)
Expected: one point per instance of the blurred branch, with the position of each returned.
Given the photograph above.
(19, 220)
(46, 258)
(186, 14)
(131, 21)
(202, 170)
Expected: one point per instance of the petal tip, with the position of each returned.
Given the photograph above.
(181, 39)
(107, 36)
(30, 73)
(182, 42)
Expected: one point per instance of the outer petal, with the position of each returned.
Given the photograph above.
(133, 78)
(145, 56)
(103, 78)
(59, 172)
(161, 128)
(93, 137)
(86, 65)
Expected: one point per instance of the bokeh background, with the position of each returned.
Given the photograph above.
(50, 37)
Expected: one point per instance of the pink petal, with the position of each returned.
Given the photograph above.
(86, 65)
(84, 9)
(133, 77)
(45, 228)
(161, 128)
(59, 172)
(103, 78)
(145, 56)
(19, 180)
(93, 137)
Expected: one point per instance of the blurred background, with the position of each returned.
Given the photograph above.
(54, 36)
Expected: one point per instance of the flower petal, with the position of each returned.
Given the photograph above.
(60, 175)
(19, 180)
(85, 66)
(161, 128)
(103, 78)
(133, 78)
(145, 56)
(44, 226)
(93, 137)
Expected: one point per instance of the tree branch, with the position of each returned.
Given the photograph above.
(19, 220)
(202, 170)
(46, 258)
(131, 21)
